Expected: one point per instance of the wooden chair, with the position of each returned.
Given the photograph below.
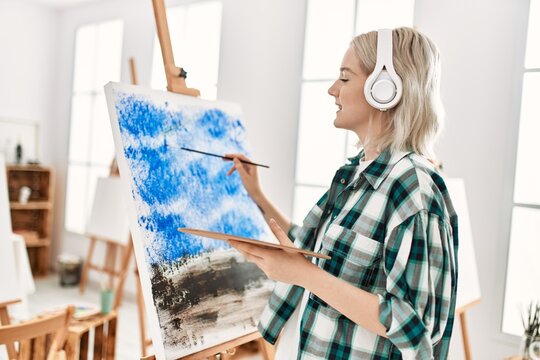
(41, 338)
(4, 320)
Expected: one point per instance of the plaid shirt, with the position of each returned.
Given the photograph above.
(392, 232)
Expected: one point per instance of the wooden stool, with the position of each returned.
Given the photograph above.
(104, 327)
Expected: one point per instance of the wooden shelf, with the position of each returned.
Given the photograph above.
(33, 220)
(26, 167)
(31, 205)
(38, 243)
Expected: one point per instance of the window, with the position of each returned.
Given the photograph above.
(330, 27)
(98, 50)
(523, 272)
(195, 31)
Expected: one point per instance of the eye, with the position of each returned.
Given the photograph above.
(343, 80)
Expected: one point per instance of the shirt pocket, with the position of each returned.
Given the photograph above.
(355, 258)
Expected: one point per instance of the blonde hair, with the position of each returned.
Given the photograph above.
(413, 125)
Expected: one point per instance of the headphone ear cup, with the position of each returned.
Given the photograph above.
(383, 89)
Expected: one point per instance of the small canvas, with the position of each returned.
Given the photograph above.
(108, 218)
(9, 287)
(468, 283)
(198, 292)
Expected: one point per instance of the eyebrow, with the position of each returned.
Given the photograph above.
(346, 69)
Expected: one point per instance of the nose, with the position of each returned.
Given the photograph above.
(332, 90)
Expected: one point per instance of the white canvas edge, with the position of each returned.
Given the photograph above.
(228, 107)
(125, 176)
(469, 292)
(11, 287)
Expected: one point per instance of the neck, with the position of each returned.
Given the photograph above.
(370, 153)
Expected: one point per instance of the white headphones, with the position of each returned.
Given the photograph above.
(383, 88)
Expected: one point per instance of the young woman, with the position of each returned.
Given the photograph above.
(387, 221)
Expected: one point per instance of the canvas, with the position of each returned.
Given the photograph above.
(198, 292)
(10, 288)
(108, 218)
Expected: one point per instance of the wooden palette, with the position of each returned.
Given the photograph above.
(226, 237)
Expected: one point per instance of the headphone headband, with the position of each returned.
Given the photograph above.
(383, 88)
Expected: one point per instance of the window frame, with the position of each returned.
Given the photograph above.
(348, 137)
(523, 71)
(93, 94)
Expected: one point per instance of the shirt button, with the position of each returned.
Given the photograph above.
(343, 181)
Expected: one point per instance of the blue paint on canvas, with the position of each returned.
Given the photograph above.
(176, 188)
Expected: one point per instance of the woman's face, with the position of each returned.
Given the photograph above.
(348, 91)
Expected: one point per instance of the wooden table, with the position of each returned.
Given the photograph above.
(104, 329)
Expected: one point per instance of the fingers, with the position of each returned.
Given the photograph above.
(249, 257)
(249, 249)
(238, 165)
(240, 168)
(245, 250)
(279, 233)
(239, 156)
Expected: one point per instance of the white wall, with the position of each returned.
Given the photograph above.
(261, 68)
(28, 54)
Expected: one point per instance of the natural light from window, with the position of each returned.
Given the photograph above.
(321, 148)
(98, 51)
(523, 272)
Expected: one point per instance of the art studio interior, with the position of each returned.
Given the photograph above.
(145, 143)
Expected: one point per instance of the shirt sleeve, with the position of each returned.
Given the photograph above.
(293, 232)
(420, 287)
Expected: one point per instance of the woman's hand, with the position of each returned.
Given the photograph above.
(249, 175)
(279, 265)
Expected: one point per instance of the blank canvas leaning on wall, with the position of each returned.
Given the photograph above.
(108, 218)
(9, 286)
(198, 292)
(468, 284)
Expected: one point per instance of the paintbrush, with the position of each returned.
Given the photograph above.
(224, 157)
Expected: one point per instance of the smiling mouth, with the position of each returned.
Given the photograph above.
(339, 107)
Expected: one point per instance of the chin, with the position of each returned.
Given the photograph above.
(337, 123)
(340, 124)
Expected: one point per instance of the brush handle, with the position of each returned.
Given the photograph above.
(224, 157)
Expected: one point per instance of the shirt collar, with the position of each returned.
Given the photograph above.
(381, 166)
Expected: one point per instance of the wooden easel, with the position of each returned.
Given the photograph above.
(464, 330)
(113, 248)
(127, 252)
(109, 267)
(145, 341)
(176, 82)
(176, 76)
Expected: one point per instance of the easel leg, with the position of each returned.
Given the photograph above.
(110, 262)
(126, 258)
(142, 315)
(266, 349)
(465, 336)
(86, 267)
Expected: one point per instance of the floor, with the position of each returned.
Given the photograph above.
(49, 294)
